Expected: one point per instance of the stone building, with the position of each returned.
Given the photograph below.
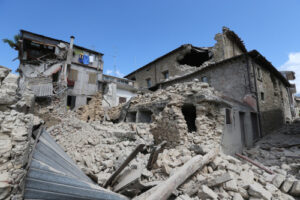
(186, 59)
(44, 62)
(260, 94)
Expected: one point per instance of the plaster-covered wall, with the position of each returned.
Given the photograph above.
(113, 93)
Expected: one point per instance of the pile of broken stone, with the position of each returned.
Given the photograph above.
(100, 148)
(15, 135)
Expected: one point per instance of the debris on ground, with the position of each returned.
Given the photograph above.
(100, 148)
(16, 126)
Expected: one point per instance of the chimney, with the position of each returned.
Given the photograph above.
(69, 57)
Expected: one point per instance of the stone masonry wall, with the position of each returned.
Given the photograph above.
(229, 78)
(15, 135)
(274, 107)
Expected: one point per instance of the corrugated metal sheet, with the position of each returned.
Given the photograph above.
(53, 175)
(42, 90)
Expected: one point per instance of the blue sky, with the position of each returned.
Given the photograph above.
(138, 31)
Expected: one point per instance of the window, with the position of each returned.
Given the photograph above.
(262, 96)
(73, 75)
(204, 79)
(92, 78)
(122, 100)
(228, 116)
(148, 82)
(166, 74)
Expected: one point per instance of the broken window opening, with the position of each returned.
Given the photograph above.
(37, 52)
(88, 99)
(122, 100)
(228, 116)
(131, 117)
(166, 74)
(145, 116)
(195, 58)
(55, 77)
(71, 102)
(262, 96)
(189, 113)
(148, 80)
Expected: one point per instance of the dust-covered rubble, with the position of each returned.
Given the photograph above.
(16, 126)
(100, 148)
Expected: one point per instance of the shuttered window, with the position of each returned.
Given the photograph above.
(73, 75)
(92, 78)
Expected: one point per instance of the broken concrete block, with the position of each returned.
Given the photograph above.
(183, 197)
(237, 196)
(278, 180)
(271, 188)
(219, 179)
(247, 177)
(230, 186)
(295, 190)
(256, 190)
(214, 164)
(243, 193)
(287, 185)
(206, 193)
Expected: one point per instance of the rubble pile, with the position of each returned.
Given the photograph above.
(169, 122)
(100, 148)
(280, 151)
(97, 147)
(15, 135)
(93, 111)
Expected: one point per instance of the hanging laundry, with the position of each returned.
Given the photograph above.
(80, 59)
(91, 59)
(86, 59)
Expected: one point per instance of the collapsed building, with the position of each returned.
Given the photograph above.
(262, 96)
(55, 68)
(165, 138)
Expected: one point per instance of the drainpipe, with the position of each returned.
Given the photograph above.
(69, 58)
(257, 102)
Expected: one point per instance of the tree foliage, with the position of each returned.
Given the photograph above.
(13, 43)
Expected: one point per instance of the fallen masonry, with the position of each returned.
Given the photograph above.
(100, 148)
(161, 145)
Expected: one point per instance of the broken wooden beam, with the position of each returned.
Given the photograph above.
(255, 163)
(163, 190)
(154, 154)
(138, 149)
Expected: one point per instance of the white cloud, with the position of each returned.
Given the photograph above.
(112, 73)
(293, 64)
(109, 72)
(119, 74)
